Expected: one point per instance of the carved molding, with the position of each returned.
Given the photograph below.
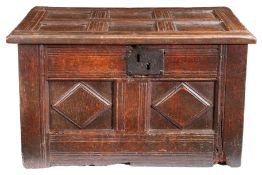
(182, 105)
(81, 105)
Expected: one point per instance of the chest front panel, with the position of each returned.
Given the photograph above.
(94, 106)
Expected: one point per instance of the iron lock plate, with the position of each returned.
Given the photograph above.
(144, 61)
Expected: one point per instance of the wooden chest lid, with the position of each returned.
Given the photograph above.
(59, 25)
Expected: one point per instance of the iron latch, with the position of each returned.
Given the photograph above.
(144, 61)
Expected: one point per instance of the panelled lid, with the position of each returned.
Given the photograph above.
(59, 25)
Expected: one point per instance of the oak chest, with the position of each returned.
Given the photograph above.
(161, 87)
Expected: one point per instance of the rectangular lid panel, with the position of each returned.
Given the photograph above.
(53, 25)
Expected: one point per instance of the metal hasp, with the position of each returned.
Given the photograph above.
(144, 61)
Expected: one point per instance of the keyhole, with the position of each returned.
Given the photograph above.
(148, 66)
(138, 58)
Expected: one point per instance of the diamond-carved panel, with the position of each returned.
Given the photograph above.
(81, 105)
(181, 105)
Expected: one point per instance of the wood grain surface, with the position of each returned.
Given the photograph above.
(79, 105)
(54, 25)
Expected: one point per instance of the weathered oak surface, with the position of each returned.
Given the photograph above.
(79, 105)
(52, 25)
